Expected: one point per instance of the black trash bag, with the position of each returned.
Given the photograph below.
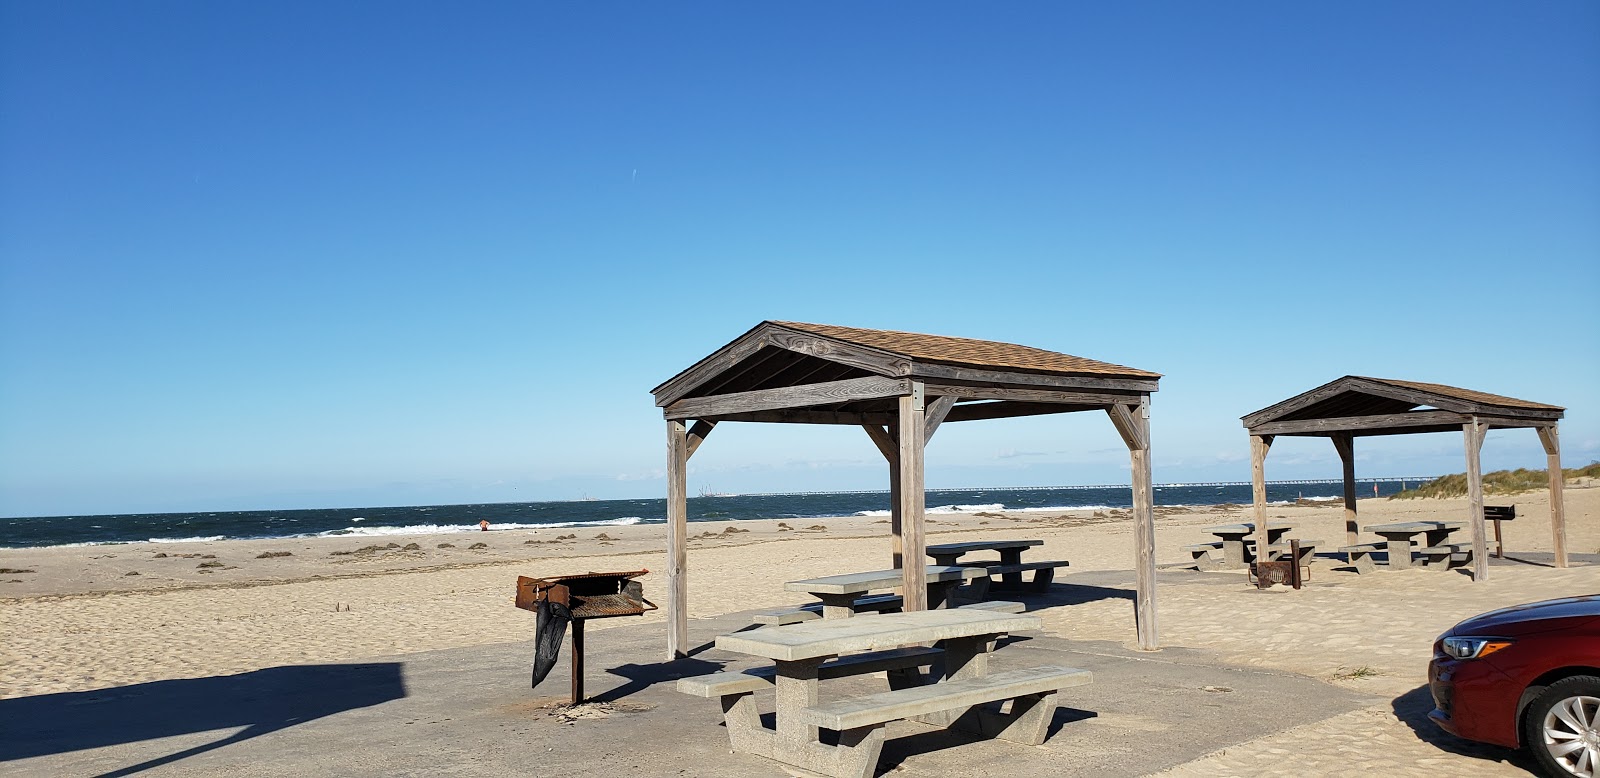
(550, 628)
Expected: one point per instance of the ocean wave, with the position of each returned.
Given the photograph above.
(440, 529)
(871, 513)
(1070, 508)
(988, 506)
(206, 539)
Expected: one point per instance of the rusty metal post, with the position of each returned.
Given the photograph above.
(577, 661)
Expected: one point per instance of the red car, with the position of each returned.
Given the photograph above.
(1529, 676)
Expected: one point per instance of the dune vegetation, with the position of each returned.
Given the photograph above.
(1497, 482)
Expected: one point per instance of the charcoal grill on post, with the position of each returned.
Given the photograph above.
(576, 598)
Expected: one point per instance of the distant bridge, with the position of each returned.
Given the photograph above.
(1417, 479)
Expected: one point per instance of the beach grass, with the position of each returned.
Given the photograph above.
(1497, 482)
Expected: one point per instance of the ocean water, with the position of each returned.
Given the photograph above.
(429, 519)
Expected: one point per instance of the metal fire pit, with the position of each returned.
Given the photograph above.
(1268, 573)
(561, 599)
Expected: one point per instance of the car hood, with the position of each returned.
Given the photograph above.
(1533, 617)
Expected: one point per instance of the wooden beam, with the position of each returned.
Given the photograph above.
(883, 440)
(697, 435)
(810, 417)
(723, 358)
(1006, 409)
(880, 361)
(937, 372)
(1303, 400)
(871, 387)
(1144, 531)
(897, 524)
(677, 541)
(935, 414)
(1259, 446)
(1346, 446)
(1357, 423)
(1126, 421)
(914, 572)
(1474, 431)
(1558, 511)
(1068, 396)
(1508, 423)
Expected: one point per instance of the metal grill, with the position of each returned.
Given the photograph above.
(576, 598)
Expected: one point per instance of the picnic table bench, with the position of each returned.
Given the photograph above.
(840, 594)
(1435, 552)
(1235, 546)
(1010, 567)
(959, 698)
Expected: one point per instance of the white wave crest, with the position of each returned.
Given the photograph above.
(990, 506)
(874, 513)
(440, 529)
(206, 539)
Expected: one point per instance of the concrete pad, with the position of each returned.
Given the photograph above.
(469, 712)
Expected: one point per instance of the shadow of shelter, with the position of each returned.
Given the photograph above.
(261, 701)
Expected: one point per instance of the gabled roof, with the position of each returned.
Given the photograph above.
(1381, 406)
(943, 349)
(849, 370)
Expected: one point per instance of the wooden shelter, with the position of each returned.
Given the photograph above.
(900, 387)
(1356, 406)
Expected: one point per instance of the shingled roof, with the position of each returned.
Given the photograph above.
(1466, 394)
(1386, 406)
(947, 350)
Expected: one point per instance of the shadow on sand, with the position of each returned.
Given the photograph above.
(1412, 709)
(261, 701)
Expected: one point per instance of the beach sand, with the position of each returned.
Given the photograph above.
(93, 617)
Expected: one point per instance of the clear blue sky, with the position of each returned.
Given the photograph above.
(294, 254)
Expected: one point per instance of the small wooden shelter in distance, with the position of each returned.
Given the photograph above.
(900, 387)
(1354, 406)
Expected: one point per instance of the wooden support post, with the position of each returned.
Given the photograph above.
(677, 540)
(885, 440)
(1558, 511)
(914, 572)
(1474, 431)
(1259, 446)
(1345, 443)
(1144, 533)
(1133, 424)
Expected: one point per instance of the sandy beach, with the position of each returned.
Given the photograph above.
(87, 618)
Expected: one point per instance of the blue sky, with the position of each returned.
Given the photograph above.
(306, 254)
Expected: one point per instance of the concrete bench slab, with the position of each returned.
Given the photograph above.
(877, 603)
(1033, 688)
(1360, 557)
(1001, 606)
(1010, 575)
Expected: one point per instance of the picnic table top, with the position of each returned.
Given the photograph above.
(1249, 526)
(830, 637)
(981, 545)
(859, 583)
(1415, 526)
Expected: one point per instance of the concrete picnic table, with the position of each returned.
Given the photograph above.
(1010, 566)
(1398, 537)
(1235, 539)
(801, 653)
(838, 593)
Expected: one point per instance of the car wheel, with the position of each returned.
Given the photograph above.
(1562, 727)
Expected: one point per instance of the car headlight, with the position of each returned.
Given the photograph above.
(1472, 647)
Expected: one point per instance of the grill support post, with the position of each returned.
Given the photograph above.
(577, 661)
